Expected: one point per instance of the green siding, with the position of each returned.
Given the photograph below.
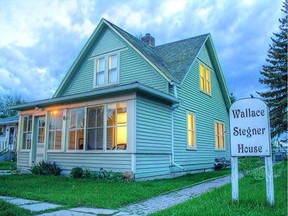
(134, 68)
(207, 109)
(107, 42)
(92, 161)
(153, 138)
(204, 56)
(23, 160)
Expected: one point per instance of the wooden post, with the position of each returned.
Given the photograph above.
(234, 179)
(269, 180)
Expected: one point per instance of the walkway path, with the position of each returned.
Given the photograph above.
(143, 208)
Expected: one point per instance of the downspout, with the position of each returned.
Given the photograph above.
(172, 131)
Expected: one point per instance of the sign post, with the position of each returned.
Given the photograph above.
(250, 136)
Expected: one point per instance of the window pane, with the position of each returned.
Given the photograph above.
(51, 140)
(28, 140)
(111, 114)
(80, 117)
(122, 135)
(24, 146)
(100, 64)
(111, 138)
(72, 118)
(80, 139)
(99, 143)
(100, 116)
(91, 115)
(58, 139)
(112, 76)
(72, 135)
(112, 62)
(100, 78)
(91, 139)
(30, 123)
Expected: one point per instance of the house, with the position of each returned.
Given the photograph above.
(128, 105)
(8, 136)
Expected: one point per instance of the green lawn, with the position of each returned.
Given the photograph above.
(7, 165)
(252, 199)
(94, 193)
(7, 209)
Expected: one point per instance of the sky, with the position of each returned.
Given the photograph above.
(40, 39)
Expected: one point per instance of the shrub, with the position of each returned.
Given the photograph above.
(76, 172)
(46, 168)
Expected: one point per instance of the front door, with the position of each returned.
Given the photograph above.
(12, 139)
(40, 138)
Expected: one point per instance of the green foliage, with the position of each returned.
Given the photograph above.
(7, 209)
(44, 168)
(76, 172)
(7, 165)
(274, 76)
(9, 100)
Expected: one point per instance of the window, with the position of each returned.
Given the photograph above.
(117, 126)
(27, 131)
(41, 130)
(191, 130)
(1, 131)
(76, 128)
(219, 135)
(94, 128)
(205, 83)
(55, 129)
(106, 71)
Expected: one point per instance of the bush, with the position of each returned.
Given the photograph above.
(46, 168)
(76, 172)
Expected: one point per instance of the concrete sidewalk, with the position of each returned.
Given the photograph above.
(142, 208)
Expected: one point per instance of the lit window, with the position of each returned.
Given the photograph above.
(76, 129)
(219, 135)
(117, 126)
(41, 130)
(55, 129)
(106, 70)
(191, 130)
(205, 81)
(27, 131)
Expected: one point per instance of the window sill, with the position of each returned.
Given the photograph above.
(210, 95)
(191, 149)
(98, 151)
(220, 150)
(105, 85)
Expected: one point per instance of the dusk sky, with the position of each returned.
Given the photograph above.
(40, 39)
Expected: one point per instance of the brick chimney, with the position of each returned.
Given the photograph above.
(148, 39)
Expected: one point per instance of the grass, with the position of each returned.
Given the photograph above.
(91, 192)
(252, 199)
(7, 209)
(7, 165)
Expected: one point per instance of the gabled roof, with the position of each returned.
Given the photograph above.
(9, 120)
(180, 55)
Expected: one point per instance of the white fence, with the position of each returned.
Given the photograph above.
(3, 145)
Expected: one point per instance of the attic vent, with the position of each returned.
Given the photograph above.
(148, 39)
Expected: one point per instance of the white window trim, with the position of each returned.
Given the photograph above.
(210, 70)
(106, 69)
(224, 132)
(187, 132)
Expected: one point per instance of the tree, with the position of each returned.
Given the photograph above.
(274, 76)
(7, 101)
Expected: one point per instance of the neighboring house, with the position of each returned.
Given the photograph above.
(8, 136)
(126, 105)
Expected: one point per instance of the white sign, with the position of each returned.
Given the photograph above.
(249, 128)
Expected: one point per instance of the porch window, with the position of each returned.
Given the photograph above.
(55, 129)
(205, 81)
(94, 128)
(27, 131)
(76, 128)
(117, 126)
(106, 70)
(219, 135)
(191, 130)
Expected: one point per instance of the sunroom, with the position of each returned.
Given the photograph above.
(94, 130)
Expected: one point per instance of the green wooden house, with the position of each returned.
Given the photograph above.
(127, 105)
